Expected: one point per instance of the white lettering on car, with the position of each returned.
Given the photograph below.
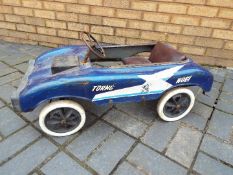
(183, 79)
(102, 88)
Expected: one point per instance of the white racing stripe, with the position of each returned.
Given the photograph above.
(154, 83)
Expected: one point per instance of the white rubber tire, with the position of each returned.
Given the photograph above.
(61, 104)
(163, 100)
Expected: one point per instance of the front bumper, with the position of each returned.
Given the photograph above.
(15, 98)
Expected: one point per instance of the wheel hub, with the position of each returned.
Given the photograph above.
(177, 105)
(62, 120)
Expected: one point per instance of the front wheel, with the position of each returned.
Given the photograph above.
(62, 118)
(175, 104)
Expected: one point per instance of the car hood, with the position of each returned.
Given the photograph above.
(43, 63)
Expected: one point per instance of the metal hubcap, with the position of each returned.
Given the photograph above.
(62, 120)
(177, 105)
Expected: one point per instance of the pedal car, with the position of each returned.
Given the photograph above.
(107, 74)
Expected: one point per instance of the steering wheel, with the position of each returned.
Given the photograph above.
(93, 45)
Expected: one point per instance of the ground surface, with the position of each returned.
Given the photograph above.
(123, 139)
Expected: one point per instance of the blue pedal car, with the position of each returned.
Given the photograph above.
(107, 74)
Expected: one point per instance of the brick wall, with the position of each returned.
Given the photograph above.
(200, 28)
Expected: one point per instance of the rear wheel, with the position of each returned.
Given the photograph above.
(175, 104)
(62, 118)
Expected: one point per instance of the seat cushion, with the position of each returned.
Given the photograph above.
(135, 60)
(165, 53)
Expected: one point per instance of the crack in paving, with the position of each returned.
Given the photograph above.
(205, 129)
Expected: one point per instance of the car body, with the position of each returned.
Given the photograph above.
(101, 85)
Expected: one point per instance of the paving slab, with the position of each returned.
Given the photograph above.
(89, 140)
(10, 77)
(226, 97)
(218, 149)
(128, 124)
(22, 67)
(208, 100)
(151, 162)
(17, 58)
(127, 169)
(184, 146)
(16, 142)
(225, 106)
(97, 110)
(219, 74)
(195, 120)
(5, 69)
(144, 111)
(29, 159)
(202, 110)
(221, 125)
(9, 121)
(1, 104)
(159, 134)
(6, 92)
(207, 166)
(62, 164)
(228, 86)
(109, 154)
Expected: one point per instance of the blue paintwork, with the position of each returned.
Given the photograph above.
(78, 82)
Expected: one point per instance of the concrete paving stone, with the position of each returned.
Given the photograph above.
(32, 116)
(202, 110)
(5, 69)
(26, 47)
(159, 134)
(9, 121)
(18, 58)
(15, 83)
(226, 97)
(10, 77)
(97, 110)
(109, 154)
(29, 159)
(153, 163)
(90, 120)
(88, 140)
(207, 166)
(17, 141)
(62, 164)
(225, 106)
(36, 51)
(1, 104)
(221, 125)
(3, 53)
(22, 67)
(142, 111)
(127, 169)
(128, 124)
(228, 86)
(219, 74)
(230, 74)
(218, 149)
(214, 93)
(184, 146)
(195, 120)
(216, 85)
(206, 99)
(6, 92)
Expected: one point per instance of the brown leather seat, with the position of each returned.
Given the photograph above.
(165, 53)
(160, 53)
(135, 60)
